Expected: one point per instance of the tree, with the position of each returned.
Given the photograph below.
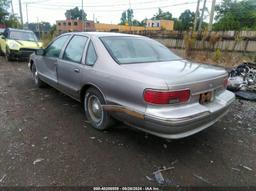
(130, 16)
(235, 15)
(127, 17)
(43, 26)
(123, 18)
(185, 21)
(187, 18)
(4, 5)
(75, 13)
(137, 23)
(162, 15)
(9, 20)
(13, 22)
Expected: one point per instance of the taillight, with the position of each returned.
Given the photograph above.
(166, 97)
(225, 83)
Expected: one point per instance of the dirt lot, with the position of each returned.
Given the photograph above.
(44, 141)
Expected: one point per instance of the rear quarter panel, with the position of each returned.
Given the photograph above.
(118, 85)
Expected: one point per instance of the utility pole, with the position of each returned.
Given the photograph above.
(197, 14)
(211, 15)
(130, 15)
(83, 19)
(38, 27)
(12, 8)
(27, 13)
(202, 17)
(21, 17)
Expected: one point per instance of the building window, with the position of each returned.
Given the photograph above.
(59, 24)
(64, 24)
(69, 23)
(75, 23)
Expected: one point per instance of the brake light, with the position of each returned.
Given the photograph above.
(166, 97)
(225, 83)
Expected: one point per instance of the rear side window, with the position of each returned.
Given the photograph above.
(54, 49)
(75, 49)
(91, 56)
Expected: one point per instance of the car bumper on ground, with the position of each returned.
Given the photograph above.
(22, 53)
(179, 121)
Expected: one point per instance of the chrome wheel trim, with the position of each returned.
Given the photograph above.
(35, 75)
(95, 109)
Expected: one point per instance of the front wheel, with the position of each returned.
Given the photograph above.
(8, 54)
(97, 117)
(1, 52)
(38, 82)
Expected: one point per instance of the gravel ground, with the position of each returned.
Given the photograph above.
(45, 141)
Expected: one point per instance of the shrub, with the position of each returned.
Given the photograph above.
(217, 55)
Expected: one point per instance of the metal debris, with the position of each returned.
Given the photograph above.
(247, 95)
(242, 80)
(3, 177)
(246, 167)
(37, 161)
(174, 162)
(159, 176)
(149, 178)
(201, 178)
(236, 169)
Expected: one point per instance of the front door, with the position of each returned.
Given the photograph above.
(47, 68)
(70, 66)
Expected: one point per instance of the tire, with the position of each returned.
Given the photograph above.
(1, 52)
(95, 115)
(38, 82)
(7, 55)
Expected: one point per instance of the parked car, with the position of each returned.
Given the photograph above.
(133, 79)
(16, 43)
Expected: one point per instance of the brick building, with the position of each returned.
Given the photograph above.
(163, 24)
(70, 25)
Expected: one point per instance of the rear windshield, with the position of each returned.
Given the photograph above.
(20, 35)
(128, 50)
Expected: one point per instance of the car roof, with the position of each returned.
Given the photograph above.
(102, 34)
(21, 30)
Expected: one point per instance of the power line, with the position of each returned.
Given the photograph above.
(145, 8)
(101, 5)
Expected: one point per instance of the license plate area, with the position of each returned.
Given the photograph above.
(206, 97)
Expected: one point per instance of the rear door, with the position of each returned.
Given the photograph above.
(47, 64)
(70, 66)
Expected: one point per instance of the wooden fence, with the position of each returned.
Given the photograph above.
(241, 41)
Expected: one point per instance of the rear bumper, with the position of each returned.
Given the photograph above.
(180, 121)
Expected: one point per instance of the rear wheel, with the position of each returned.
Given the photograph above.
(97, 117)
(38, 82)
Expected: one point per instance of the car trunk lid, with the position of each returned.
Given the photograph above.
(182, 74)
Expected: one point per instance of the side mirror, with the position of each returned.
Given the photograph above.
(40, 52)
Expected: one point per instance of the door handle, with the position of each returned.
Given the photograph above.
(76, 70)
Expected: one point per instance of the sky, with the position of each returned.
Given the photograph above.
(104, 11)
